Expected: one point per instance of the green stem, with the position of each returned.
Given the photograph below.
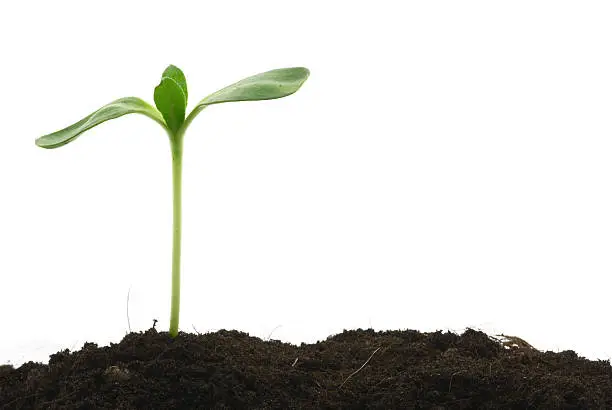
(176, 144)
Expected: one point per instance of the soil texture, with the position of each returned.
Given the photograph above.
(357, 369)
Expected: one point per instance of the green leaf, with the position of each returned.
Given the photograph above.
(264, 86)
(115, 109)
(177, 75)
(171, 97)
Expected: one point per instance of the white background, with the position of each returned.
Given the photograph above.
(446, 165)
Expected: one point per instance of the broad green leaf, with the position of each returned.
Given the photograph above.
(171, 97)
(117, 108)
(264, 86)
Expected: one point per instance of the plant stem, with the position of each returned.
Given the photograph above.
(176, 144)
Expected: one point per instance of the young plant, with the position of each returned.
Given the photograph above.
(170, 98)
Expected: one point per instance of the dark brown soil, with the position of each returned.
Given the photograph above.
(357, 369)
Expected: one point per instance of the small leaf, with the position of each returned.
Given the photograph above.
(177, 75)
(264, 86)
(115, 109)
(171, 97)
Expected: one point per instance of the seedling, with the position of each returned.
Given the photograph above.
(170, 98)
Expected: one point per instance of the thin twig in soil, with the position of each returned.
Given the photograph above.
(450, 383)
(127, 309)
(270, 335)
(358, 370)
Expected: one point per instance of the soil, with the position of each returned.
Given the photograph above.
(357, 369)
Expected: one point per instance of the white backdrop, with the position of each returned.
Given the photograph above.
(446, 165)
